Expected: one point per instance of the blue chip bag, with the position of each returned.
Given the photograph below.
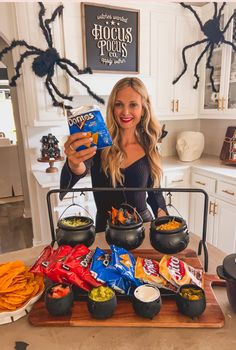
(90, 120)
(103, 271)
(124, 262)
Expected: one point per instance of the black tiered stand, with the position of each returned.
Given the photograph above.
(202, 242)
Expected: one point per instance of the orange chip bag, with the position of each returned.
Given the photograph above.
(147, 270)
(174, 270)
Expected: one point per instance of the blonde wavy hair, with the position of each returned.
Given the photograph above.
(147, 132)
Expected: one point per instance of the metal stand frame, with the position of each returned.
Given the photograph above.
(202, 242)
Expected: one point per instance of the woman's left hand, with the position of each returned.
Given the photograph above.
(161, 213)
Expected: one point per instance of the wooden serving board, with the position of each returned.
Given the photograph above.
(125, 316)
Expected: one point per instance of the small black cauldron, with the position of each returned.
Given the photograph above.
(73, 235)
(128, 237)
(191, 308)
(147, 301)
(61, 304)
(169, 241)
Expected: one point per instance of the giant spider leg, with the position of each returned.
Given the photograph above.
(73, 65)
(196, 65)
(194, 12)
(15, 43)
(221, 9)
(209, 66)
(215, 13)
(50, 91)
(48, 21)
(228, 23)
(64, 66)
(41, 22)
(184, 58)
(19, 64)
(66, 97)
(229, 43)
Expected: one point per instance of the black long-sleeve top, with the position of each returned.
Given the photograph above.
(135, 175)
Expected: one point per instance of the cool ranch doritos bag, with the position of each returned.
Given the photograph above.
(90, 120)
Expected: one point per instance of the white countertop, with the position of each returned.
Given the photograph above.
(207, 163)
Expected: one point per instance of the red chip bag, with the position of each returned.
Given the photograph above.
(58, 271)
(57, 258)
(79, 261)
(43, 260)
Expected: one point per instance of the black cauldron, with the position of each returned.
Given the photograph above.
(191, 308)
(73, 235)
(125, 236)
(59, 306)
(102, 309)
(227, 271)
(169, 241)
(145, 306)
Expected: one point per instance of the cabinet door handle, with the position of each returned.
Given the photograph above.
(228, 192)
(177, 106)
(218, 107)
(211, 208)
(200, 183)
(215, 209)
(175, 181)
(222, 103)
(173, 105)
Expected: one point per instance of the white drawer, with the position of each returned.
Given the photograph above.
(177, 179)
(206, 183)
(226, 190)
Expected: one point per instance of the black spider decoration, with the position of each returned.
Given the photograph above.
(214, 37)
(45, 61)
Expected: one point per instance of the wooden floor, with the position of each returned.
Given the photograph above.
(15, 231)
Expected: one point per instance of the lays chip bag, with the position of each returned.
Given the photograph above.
(90, 120)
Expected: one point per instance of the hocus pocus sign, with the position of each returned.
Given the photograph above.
(111, 38)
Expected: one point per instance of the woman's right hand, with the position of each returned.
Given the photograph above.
(76, 158)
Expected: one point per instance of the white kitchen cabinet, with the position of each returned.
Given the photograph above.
(223, 102)
(171, 31)
(196, 216)
(221, 226)
(179, 200)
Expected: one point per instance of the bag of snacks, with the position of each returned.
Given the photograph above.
(177, 272)
(102, 269)
(79, 261)
(90, 120)
(43, 260)
(57, 271)
(147, 270)
(124, 262)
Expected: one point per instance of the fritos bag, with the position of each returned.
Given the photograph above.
(177, 272)
(90, 120)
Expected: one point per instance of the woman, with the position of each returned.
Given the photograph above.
(132, 161)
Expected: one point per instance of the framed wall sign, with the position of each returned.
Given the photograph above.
(110, 38)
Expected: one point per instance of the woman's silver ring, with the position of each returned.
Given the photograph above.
(71, 148)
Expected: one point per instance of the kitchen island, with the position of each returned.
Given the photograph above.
(73, 338)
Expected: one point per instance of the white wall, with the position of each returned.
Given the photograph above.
(173, 128)
(214, 136)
